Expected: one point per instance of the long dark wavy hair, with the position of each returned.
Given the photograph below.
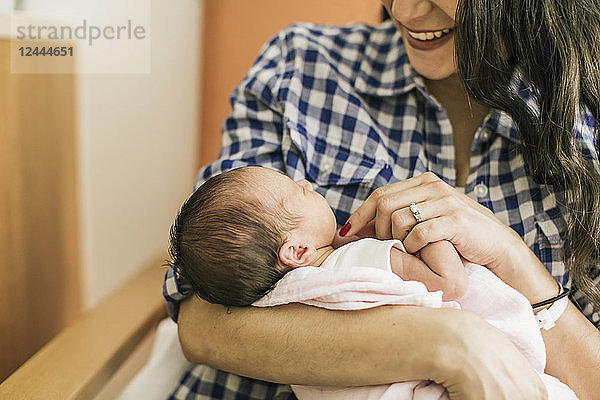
(555, 46)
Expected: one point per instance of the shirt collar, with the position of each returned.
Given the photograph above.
(384, 68)
(502, 124)
(385, 71)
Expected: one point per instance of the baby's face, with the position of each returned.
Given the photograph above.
(317, 221)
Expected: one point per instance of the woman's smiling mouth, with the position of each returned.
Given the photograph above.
(431, 35)
(428, 40)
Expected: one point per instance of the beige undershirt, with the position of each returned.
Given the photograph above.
(465, 115)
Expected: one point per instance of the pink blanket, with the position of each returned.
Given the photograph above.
(357, 288)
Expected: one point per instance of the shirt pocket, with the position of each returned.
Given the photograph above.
(328, 161)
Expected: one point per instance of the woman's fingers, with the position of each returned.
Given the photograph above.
(387, 199)
(426, 232)
(440, 213)
(491, 367)
(368, 231)
(375, 208)
(388, 206)
(402, 222)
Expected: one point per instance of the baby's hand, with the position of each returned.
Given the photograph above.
(439, 268)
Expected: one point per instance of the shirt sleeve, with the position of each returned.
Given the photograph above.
(251, 135)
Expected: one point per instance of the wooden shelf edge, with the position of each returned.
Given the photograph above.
(81, 359)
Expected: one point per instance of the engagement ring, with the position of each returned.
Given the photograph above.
(416, 212)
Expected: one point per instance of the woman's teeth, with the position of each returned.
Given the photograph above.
(429, 35)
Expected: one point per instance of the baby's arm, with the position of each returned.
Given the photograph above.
(439, 268)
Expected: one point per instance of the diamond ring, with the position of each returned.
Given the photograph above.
(416, 212)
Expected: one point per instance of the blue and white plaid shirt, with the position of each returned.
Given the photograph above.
(343, 108)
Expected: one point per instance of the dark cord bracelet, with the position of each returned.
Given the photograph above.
(552, 300)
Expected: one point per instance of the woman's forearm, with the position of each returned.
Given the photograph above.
(311, 346)
(573, 345)
(573, 353)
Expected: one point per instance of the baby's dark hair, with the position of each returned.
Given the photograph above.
(225, 241)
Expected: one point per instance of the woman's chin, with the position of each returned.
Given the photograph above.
(435, 65)
(435, 72)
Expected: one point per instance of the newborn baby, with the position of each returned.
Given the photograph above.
(243, 230)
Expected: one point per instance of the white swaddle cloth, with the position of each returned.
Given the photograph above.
(358, 276)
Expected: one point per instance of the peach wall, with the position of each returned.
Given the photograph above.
(235, 30)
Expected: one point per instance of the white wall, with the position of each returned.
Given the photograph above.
(137, 144)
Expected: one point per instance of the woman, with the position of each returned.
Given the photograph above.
(359, 108)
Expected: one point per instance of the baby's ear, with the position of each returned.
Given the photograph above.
(294, 254)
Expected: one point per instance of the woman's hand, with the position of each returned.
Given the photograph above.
(488, 366)
(476, 233)
(446, 214)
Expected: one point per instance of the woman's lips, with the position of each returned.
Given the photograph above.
(427, 44)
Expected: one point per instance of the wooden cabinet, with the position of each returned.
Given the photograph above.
(39, 280)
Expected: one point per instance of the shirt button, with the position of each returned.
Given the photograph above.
(481, 190)
(485, 135)
(327, 166)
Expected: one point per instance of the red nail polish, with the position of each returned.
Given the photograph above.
(345, 229)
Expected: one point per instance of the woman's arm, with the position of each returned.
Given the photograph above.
(573, 345)
(311, 346)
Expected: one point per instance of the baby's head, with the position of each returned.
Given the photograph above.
(242, 230)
